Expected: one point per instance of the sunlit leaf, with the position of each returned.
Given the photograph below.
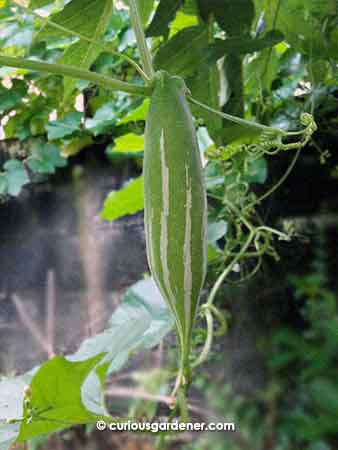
(129, 200)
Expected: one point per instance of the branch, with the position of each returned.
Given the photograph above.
(141, 39)
(74, 72)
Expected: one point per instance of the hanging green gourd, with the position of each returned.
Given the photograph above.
(175, 204)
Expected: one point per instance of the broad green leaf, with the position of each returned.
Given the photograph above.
(140, 323)
(181, 54)
(56, 397)
(137, 114)
(75, 145)
(87, 17)
(235, 17)
(11, 396)
(11, 407)
(257, 171)
(145, 8)
(190, 7)
(36, 4)
(182, 21)
(164, 14)
(213, 254)
(16, 35)
(104, 118)
(129, 200)
(45, 159)
(204, 86)
(128, 143)
(242, 45)
(142, 320)
(216, 230)
(68, 391)
(66, 126)
(12, 98)
(263, 70)
(16, 176)
(306, 26)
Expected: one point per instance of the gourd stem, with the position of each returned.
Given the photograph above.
(208, 342)
(229, 268)
(236, 119)
(141, 39)
(104, 45)
(74, 72)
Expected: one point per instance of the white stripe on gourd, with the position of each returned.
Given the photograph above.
(175, 202)
(187, 253)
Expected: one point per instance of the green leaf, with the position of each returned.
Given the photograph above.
(309, 27)
(56, 397)
(129, 200)
(164, 14)
(11, 398)
(140, 323)
(137, 114)
(16, 176)
(45, 159)
(183, 21)
(36, 4)
(74, 146)
(66, 126)
(11, 98)
(181, 54)
(104, 118)
(68, 391)
(129, 143)
(235, 17)
(190, 7)
(242, 45)
(216, 230)
(257, 171)
(262, 70)
(87, 17)
(145, 8)
(213, 253)
(204, 86)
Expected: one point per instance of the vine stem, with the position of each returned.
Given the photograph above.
(141, 39)
(236, 119)
(209, 303)
(278, 184)
(74, 72)
(228, 269)
(208, 342)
